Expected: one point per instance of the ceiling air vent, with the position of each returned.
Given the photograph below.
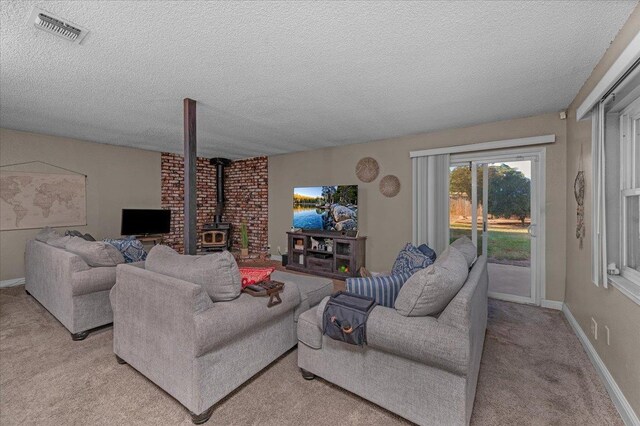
(55, 25)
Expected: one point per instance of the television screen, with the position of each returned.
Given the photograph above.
(145, 222)
(326, 208)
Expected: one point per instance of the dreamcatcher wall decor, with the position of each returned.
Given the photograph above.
(578, 190)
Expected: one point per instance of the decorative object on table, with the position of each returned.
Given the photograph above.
(264, 289)
(250, 276)
(367, 169)
(390, 186)
(410, 260)
(131, 248)
(578, 190)
(315, 244)
(34, 199)
(244, 240)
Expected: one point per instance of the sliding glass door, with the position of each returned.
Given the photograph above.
(494, 201)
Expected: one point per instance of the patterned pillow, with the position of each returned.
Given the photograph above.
(410, 260)
(131, 249)
(383, 288)
(249, 276)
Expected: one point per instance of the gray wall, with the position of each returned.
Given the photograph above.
(608, 307)
(387, 221)
(117, 178)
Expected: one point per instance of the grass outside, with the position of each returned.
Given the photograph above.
(508, 242)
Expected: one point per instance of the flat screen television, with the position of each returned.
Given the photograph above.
(326, 208)
(145, 222)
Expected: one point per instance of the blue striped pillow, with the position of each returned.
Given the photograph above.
(383, 288)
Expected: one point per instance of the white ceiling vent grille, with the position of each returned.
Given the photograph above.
(55, 25)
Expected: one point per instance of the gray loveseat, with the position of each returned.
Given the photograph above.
(424, 368)
(71, 290)
(198, 350)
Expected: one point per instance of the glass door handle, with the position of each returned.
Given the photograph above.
(531, 229)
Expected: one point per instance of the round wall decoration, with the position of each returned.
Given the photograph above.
(390, 186)
(367, 169)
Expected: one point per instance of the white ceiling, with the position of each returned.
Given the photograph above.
(280, 77)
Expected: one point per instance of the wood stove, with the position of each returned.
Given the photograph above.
(217, 236)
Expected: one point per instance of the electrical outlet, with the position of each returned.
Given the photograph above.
(607, 330)
(594, 328)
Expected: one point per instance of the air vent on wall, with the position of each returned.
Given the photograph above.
(55, 25)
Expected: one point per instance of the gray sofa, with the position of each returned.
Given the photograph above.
(197, 350)
(424, 368)
(72, 291)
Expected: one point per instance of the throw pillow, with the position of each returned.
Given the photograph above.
(410, 260)
(132, 249)
(47, 234)
(427, 251)
(60, 242)
(95, 253)
(217, 273)
(74, 233)
(469, 251)
(251, 276)
(383, 288)
(429, 291)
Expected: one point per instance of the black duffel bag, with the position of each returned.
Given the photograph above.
(345, 317)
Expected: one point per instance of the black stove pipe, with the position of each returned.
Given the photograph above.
(220, 164)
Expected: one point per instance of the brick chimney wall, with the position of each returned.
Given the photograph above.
(246, 193)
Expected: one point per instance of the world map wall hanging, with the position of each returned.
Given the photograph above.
(35, 200)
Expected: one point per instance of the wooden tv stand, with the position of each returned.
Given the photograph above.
(345, 252)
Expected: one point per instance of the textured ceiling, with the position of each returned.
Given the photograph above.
(275, 77)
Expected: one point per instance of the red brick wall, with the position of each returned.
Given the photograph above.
(246, 192)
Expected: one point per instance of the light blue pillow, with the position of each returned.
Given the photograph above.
(383, 288)
(410, 260)
(132, 249)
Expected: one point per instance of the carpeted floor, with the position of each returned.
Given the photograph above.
(534, 372)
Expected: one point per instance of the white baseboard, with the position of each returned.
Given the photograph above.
(624, 408)
(276, 257)
(11, 283)
(551, 304)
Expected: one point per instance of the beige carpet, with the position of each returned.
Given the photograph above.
(534, 372)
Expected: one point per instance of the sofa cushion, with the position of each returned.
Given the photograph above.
(131, 248)
(60, 242)
(430, 290)
(94, 253)
(47, 234)
(468, 250)
(383, 288)
(217, 273)
(93, 280)
(427, 251)
(312, 289)
(410, 260)
(309, 329)
(232, 320)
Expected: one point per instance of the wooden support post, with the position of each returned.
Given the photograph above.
(190, 186)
